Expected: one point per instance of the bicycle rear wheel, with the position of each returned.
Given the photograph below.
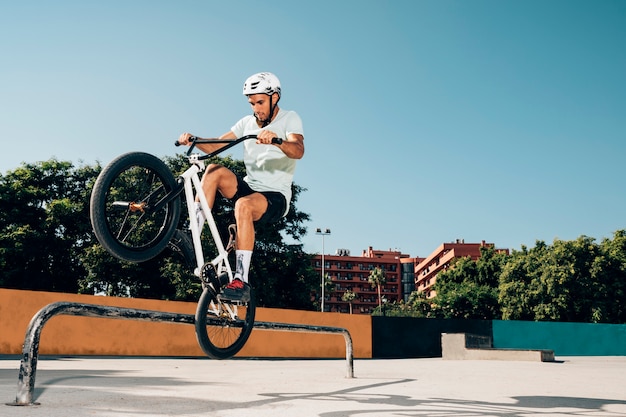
(128, 214)
(223, 327)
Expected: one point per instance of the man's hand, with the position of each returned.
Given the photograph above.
(292, 146)
(184, 139)
(266, 136)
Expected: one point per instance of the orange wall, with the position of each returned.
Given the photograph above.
(71, 335)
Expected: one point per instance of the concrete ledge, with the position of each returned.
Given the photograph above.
(89, 336)
(461, 346)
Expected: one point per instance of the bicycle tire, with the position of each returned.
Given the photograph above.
(132, 232)
(220, 336)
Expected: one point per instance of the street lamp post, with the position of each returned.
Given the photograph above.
(323, 234)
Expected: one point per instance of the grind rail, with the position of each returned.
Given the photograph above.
(30, 350)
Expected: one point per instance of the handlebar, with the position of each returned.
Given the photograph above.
(229, 143)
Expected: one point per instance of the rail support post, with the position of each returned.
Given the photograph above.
(30, 350)
(305, 328)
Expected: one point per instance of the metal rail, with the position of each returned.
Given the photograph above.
(262, 325)
(30, 350)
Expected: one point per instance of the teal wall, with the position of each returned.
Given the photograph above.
(565, 339)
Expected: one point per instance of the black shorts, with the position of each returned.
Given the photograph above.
(276, 202)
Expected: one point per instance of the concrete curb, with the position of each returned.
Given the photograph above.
(462, 346)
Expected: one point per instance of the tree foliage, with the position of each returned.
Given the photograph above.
(47, 242)
(469, 288)
(377, 279)
(44, 225)
(570, 281)
(348, 297)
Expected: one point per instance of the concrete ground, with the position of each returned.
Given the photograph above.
(85, 386)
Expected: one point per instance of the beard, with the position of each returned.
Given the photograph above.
(261, 119)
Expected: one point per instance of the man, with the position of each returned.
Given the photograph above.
(264, 194)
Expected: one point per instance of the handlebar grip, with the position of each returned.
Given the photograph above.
(192, 139)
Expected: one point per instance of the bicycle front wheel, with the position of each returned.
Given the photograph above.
(223, 327)
(130, 214)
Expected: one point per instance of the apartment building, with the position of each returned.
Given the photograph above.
(348, 272)
(403, 274)
(408, 276)
(439, 260)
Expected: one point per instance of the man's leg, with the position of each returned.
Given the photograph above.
(218, 178)
(215, 178)
(248, 209)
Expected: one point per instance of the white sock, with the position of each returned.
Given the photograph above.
(200, 217)
(243, 258)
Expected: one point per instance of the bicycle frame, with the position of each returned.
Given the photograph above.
(191, 182)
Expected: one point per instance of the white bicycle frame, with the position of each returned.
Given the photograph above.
(191, 182)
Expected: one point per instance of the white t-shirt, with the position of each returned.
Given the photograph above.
(267, 167)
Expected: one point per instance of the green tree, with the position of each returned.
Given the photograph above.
(44, 225)
(348, 297)
(110, 276)
(609, 274)
(517, 292)
(46, 242)
(376, 279)
(283, 278)
(281, 274)
(418, 305)
(469, 289)
(567, 281)
(577, 280)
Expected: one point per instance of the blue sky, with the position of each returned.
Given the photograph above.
(425, 121)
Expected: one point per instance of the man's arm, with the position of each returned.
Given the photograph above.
(292, 146)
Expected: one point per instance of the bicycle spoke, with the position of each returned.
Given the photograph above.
(222, 327)
(120, 208)
(139, 223)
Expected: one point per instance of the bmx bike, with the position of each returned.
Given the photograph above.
(135, 209)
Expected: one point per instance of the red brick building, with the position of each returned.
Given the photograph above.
(351, 273)
(403, 274)
(427, 269)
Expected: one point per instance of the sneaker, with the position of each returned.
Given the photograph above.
(182, 244)
(237, 290)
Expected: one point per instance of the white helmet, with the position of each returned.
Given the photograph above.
(262, 83)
